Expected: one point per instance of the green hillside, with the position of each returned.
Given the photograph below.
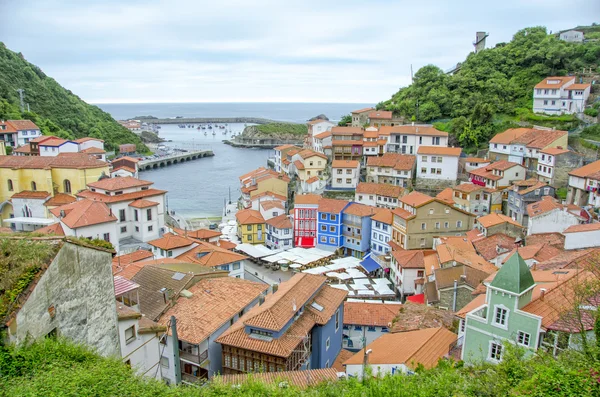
(55, 110)
(493, 89)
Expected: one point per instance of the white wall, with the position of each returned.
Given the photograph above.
(143, 352)
(344, 176)
(582, 240)
(68, 147)
(448, 167)
(90, 144)
(355, 335)
(376, 369)
(551, 222)
(380, 237)
(24, 136)
(95, 231)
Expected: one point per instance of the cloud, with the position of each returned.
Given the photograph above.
(264, 50)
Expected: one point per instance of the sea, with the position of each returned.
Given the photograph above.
(200, 188)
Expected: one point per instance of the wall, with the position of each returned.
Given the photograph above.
(21, 179)
(381, 370)
(550, 222)
(79, 284)
(329, 244)
(95, 231)
(505, 228)
(355, 334)
(448, 167)
(348, 180)
(274, 185)
(582, 240)
(256, 234)
(143, 352)
(380, 237)
(321, 356)
(463, 296)
(79, 178)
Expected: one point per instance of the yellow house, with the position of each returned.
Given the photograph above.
(251, 226)
(2, 148)
(309, 164)
(66, 173)
(263, 180)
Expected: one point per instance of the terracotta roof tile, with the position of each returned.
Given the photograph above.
(23, 149)
(31, 194)
(23, 125)
(59, 199)
(307, 199)
(268, 205)
(119, 183)
(345, 164)
(141, 203)
(476, 160)
(468, 187)
(249, 217)
(87, 138)
(539, 139)
(446, 195)
(381, 189)
(423, 130)
(280, 222)
(441, 150)
(54, 229)
(555, 151)
(381, 115)
(555, 239)
(63, 160)
(588, 227)
(384, 215)
(93, 150)
(284, 147)
(121, 197)
(546, 204)
(496, 219)
(402, 162)
(586, 170)
(343, 356)
(409, 259)
(84, 213)
(299, 379)
(374, 314)
(308, 153)
(560, 81)
(416, 199)
(332, 206)
(171, 241)
(488, 247)
(364, 110)
(323, 135)
(360, 210)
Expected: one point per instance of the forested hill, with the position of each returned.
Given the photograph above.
(55, 110)
(493, 86)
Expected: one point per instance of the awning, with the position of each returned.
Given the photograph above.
(420, 298)
(369, 264)
(305, 242)
(30, 221)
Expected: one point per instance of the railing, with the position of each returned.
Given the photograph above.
(189, 378)
(193, 358)
(352, 234)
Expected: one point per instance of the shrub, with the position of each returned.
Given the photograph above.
(591, 112)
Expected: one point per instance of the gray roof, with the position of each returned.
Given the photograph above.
(514, 276)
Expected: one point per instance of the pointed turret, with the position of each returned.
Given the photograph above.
(514, 276)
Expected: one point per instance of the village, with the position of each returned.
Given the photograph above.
(374, 245)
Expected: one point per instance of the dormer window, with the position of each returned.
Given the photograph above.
(144, 188)
(118, 193)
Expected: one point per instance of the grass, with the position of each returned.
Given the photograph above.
(283, 128)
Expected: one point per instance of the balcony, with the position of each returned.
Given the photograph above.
(348, 222)
(191, 379)
(352, 234)
(193, 358)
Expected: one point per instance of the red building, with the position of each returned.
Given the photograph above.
(305, 220)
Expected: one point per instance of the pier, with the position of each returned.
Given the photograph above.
(171, 159)
(211, 120)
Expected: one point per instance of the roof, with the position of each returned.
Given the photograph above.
(426, 130)
(539, 139)
(249, 217)
(494, 219)
(284, 147)
(514, 276)
(560, 81)
(307, 153)
(119, 183)
(23, 125)
(588, 227)
(214, 302)
(31, 194)
(509, 135)
(317, 121)
(298, 164)
(280, 222)
(332, 206)
(488, 247)
(345, 164)
(59, 199)
(96, 196)
(123, 167)
(123, 285)
(307, 199)
(299, 379)
(539, 252)
(322, 135)
(141, 203)
(267, 205)
(374, 314)
(381, 114)
(533, 186)
(22, 149)
(54, 141)
(555, 151)
(131, 257)
(445, 277)
(414, 316)
(411, 348)
(402, 162)
(463, 253)
(409, 259)
(93, 150)
(83, 213)
(586, 170)
(546, 204)
(342, 357)
(361, 210)
(476, 160)
(362, 110)
(446, 195)
(86, 139)
(55, 229)
(171, 241)
(466, 187)
(381, 189)
(416, 199)
(441, 150)
(131, 269)
(578, 87)
(63, 160)
(555, 239)
(384, 215)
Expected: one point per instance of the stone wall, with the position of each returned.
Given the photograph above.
(565, 163)
(463, 296)
(75, 298)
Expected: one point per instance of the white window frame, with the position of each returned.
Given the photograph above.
(499, 325)
(327, 344)
(525, 335)
(489, 355)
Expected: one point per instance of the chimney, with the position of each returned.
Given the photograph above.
(542, 293)
(109, 211)
(62, 213)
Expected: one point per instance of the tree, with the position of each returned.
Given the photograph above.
(345, 120)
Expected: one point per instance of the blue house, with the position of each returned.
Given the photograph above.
(297, 327)
(329, 224)
(524, 193)
(356, 229)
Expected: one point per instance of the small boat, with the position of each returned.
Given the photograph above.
(205, 133)
(210, 127)
(214, 133)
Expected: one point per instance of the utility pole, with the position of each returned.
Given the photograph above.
(21, 96)
(365, 354)
(175, 343)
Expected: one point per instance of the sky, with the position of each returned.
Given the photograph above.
(261, 50)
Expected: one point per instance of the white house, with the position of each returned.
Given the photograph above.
(52, 146)
(92, 146)
(392, 168)
(29, 210)
(560, 95)
(280, 232)
(550, 216)
(402, 352)
(438, 163)
(498, 175)
(317, 127)
(378, 194)
(322, 142)
(406, 267)
(367, 319)
(572, 36)
(584, 184)
(407, 139)
(271, 208)
(381, 232)
(171, 245)
(345, 174)
(26, 130)
(582, 236)
(88, 219)
(472, 163)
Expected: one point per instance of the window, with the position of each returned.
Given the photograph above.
(423, 170)
(495, 351)
(10, 185)
(500, 316)
(422, 242)
(236, 266)
(337, 320)
(546, 191)
(170, 253)
(323, 239)
(423, 226)
(164, 362)
(33, 186)
(234, 362)
(431, 211)
(323, 228)
(327, 344)
(339, 171)
(331, 240)
(149, 214)
(324, 217)
(523, 338)
(332, 229)
(371, 329)
(121, 215)
(150, 228)
(242, 362)
(227, 360)
(446, 225)
(249, 228)
(424, 159)
(130, 334)
(124, 229)
(106, 237)
(137, 229)
(333, 217)
(357, 328)
(135, 215)
(458, 223)
(67, 186)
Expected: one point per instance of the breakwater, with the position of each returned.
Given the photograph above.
(216, 120)
(165, 161)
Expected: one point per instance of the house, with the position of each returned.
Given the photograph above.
(140, 208)
(374, 144)
(378, 194)
(406, 139)
(72, 294)
(120, 263)
(299, 326)
(263, 180)
(473, 198)
(316, 127)
(407, 271)
(29, 210)
(560, 95)
(277, 206)
(420, 218)
(498, 175)
(391, 168)
(518, 309)
(297, 379)
(347, 143)
(583, 185)
(271, 208)
(498, 223)
(171, 245)
(202, 314)
(250, 226)
(524, 193)
(322, 143)
(381, 232)
(446, 195)
(356, 229)
(124, 166)
(438, 163)
(206, 235)
(376, 319)
(379, 118)
(66, 173)
(8, 134)
(53, 146)
(495, 248)
(88, 219)
(308, 163)
(582, 236)
(93, 147)
(554, 165)
(329, 223)
(361, 117)
(345, 174)
(280, 232)
(209, 256)
(26, 131)
(306, 207)
(533, 254)
(549, 216)
(572, 36)
(402, 353)
(469, 164)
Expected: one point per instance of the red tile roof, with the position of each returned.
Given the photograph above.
(446, 195)
(210, 255)
(93, 150)
(59, 199)
(363, 110)
(84, 213)
(298, 379)
(588, 227)
(578, 87)
(280, 222)
(586, 170)
(119, 183)
(381, 189)
(22, 149)
(345, 164)
(307, 199)
(560, 81)
(54, 229)
(200, 234)
(496, 219)
(384, 215)
(23, 125)
(425, 130)
(121, 197)
(123, 285)
(171, 241)
(63, 160)
(441, 150)
(87, 138)
(373, 314)
(381, 115)
(31, 194)
(416, 199)
(332, 206)
(488, 247)
(249, 217)
(402, 162)
(141, 203)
